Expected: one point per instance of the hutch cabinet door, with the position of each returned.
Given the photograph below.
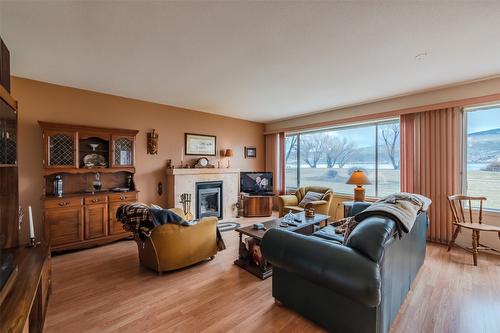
(8, 135)
(60, 149)
(115, 226)
(123, 151)
(65, 225)
(96, 221)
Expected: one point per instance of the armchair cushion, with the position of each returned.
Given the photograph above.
(321, 204)
(310, 197)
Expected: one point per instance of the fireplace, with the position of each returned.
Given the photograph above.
(209, 199)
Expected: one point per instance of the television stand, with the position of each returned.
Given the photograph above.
(257, 205)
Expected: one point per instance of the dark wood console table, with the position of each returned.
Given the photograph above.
(25, 305)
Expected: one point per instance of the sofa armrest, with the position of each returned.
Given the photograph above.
(336, 267)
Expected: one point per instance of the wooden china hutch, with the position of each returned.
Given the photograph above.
(95, 167)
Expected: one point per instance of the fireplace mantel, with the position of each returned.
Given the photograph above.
(201, 171)
(181, 181)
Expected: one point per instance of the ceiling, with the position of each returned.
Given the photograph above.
(260, 61)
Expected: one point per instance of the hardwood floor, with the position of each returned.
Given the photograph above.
(105, 290)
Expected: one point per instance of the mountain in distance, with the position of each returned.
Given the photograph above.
(483, 146)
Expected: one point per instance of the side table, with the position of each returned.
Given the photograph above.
(348, 206)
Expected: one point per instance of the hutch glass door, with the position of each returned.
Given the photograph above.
(123, 151)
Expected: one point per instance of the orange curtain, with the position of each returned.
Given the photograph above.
(434, 162)
(407, 125)
(275, 157)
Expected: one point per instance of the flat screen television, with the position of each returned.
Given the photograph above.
(256, 182)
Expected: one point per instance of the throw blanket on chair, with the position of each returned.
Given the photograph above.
(402, 207)
(140, 219)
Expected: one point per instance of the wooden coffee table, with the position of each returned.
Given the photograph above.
(262, 269)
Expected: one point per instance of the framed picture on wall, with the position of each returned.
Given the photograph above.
(200, 144)
(250, 152)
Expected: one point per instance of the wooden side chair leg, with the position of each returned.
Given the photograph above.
(475, 239)
(455, 234)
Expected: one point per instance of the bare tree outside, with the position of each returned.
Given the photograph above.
(312, 148)
(337, 151)
(390, 135)
(291, 146)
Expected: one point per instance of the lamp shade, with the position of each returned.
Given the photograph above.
(228, 153)
(358, 177)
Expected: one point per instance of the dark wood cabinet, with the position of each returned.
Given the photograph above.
(25, 272)
(4, 66)
(24, 308)
(257, 206)
(96, 221)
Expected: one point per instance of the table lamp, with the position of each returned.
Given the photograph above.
(228, 154)
(359, 179)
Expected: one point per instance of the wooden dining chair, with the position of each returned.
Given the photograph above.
(459, 204)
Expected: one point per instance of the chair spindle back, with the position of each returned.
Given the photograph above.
(458, 204)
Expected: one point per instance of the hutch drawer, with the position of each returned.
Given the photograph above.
(62, 202)
(95, 199)
(126, 196)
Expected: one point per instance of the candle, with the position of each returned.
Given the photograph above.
(32, 228)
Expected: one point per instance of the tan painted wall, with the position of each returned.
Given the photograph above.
(53, 103)
(438, 95)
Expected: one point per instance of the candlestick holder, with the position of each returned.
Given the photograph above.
(33, 242)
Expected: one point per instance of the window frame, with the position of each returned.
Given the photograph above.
(375, 123)
(465, 148)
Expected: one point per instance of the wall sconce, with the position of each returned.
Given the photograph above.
(153, 143)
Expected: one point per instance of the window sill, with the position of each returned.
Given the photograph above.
(349, 197)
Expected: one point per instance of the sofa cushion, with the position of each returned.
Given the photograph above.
(310, 197)
(328, 233)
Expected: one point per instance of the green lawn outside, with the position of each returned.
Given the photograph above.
(484, 183)
(487, 184)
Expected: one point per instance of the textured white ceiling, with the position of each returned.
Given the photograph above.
(260, 61)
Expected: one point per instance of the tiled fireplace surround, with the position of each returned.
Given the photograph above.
(184, 181)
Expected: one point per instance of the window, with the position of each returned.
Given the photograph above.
(483, 154)
(328, 157)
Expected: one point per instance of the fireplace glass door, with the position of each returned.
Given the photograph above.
(209, 199)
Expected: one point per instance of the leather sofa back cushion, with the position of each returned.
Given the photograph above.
(310, 197)
(371, 236)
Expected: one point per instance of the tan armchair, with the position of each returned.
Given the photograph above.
(291, 202)
(173, 246)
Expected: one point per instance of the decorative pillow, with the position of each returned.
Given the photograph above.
(326, 194)
(310, 197)
(345, 226)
